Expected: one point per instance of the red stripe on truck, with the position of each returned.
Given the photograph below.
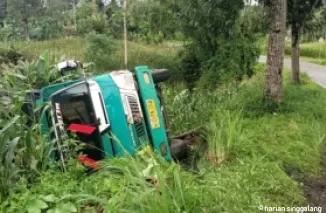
(86, 129)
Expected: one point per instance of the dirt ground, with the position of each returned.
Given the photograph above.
(314, 188)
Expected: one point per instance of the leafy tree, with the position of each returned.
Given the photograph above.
(114, 14)
(275, 57)
(220, 44)
(51, 22)
(314, 28)
(299, 12)
(24, 10)
(203, 21)
(88, 20)
(149, 20)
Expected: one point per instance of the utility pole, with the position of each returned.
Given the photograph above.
(125, 33)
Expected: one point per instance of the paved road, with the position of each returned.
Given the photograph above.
(316, 72)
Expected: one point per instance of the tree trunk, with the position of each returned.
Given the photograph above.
(295, 55)
(275, 57)
(26, 31)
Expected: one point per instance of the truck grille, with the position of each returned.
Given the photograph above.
(136, 114)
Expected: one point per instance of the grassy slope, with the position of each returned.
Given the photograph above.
(292, 135)
(291, 138)
(155, 56)
(76, 48)
(253, 176)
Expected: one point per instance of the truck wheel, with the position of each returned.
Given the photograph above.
(160, 75)
(179, 149)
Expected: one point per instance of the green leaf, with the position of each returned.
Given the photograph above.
(49, 198)
(35, 206)
(55, 210)
(9, 124)
(68, 207)
(20, 76)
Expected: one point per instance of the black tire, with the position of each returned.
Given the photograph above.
(179, 149)
(160, 75)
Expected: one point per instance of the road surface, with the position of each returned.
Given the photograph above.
(316, 72)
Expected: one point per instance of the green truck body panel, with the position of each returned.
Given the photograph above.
(119, 125)
(148, 93)
(129, 139)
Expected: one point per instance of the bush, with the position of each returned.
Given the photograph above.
(11, 31)
(97, 24)
(230, 59)
(100, 49)
(37, 33)
(5, 32)
(9, 55)
(191, 66)
(88, 22)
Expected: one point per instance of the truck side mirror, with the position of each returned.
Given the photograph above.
(69, 65)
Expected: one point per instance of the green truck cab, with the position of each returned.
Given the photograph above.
(117, 113)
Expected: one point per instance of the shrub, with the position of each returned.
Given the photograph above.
(191, 67)
(9, 55)
(6, 32)
(88, 22)
(100, 49)
(37, 33)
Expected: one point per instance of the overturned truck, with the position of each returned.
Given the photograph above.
(116, 114)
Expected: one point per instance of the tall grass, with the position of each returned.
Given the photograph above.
(311, 50)
(190, 110)
(24, 153)
(314, 52)
(121, 186)
(223, 133)
(156, 56)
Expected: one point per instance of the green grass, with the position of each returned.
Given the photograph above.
(251, 175)
(311, 50)
(163, 55)
(75, 48)
(294, 134)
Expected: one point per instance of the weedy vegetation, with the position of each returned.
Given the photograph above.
(248, 147)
